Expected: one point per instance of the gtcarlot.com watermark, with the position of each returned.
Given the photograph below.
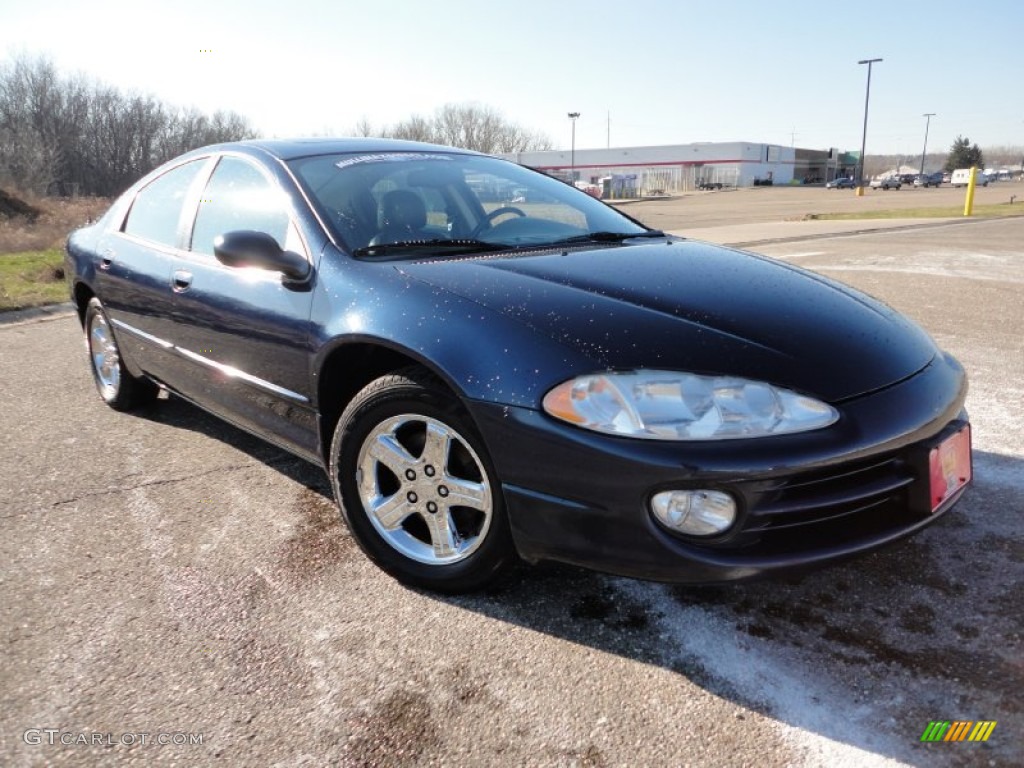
(56, 737)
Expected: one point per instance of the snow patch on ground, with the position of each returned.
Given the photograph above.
(922, 269)
(805, 701)
(960, 264)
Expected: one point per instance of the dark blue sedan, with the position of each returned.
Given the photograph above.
(841, 183)
(491, 364)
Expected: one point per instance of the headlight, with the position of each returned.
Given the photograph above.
(667, 405)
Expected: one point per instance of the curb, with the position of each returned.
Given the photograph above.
(37, 314)
(855, 232)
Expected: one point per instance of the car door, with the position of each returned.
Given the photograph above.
(243, 332)
(133, 275)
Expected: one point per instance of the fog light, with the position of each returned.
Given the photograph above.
(697, 513)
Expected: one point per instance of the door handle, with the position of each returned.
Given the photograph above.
(181, 281)
(106, 259)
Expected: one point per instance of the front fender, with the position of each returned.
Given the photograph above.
(481, 354)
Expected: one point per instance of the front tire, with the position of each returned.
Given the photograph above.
(118, 388)
(417, 488)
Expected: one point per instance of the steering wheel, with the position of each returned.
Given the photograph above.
(488, 218)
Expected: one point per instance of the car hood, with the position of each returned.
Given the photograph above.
(693, 306)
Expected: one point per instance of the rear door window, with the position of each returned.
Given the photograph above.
(156, 211)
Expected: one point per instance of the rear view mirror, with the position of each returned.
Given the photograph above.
(434, 175)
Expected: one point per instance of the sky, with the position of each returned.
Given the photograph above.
(639, 73)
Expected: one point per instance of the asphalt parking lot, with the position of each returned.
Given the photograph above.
(167, 574)
(732, 207)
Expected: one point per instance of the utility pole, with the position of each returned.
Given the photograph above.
(927, 125)
(572, 156)
(864, 137)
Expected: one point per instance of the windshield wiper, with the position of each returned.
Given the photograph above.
(608, 237)
(441, 245)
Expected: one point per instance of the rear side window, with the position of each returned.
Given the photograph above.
(239, 197)
(156, 210)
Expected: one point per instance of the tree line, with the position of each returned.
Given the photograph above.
(961, 154)
(71, 135)
(62, 135)
(470, 126)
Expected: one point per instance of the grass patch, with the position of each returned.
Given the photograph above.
(32, 279)
(48, 223)
(981, 211)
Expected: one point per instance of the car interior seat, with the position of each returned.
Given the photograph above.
(403, 215)
(353, 211)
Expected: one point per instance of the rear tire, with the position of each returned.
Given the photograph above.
(118, 388)
(417, 488)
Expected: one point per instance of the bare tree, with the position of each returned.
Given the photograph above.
(470, 126)
(1005, 155)
(72, 135)
(30, 152)
(415, 128)
(363, 127)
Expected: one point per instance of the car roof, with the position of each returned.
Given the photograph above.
(290, 149)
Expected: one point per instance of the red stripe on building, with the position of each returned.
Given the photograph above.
(641, 165)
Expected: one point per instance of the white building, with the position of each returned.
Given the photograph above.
(683, 167)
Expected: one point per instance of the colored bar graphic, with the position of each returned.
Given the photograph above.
(982, 730)
(958, 730)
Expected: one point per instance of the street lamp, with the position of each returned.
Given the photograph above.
(864, 138)
(572, 156)
(928, 115)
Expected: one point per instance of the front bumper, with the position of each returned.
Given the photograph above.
(583, 498)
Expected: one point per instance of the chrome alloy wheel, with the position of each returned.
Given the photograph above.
(104, 355)
(424, 489)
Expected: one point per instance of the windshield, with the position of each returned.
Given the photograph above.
(398, 203)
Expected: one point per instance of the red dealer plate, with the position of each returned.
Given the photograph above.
(949, 465)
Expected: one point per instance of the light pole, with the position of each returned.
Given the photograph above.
(864, 137)
(928, 115)
(572, 155)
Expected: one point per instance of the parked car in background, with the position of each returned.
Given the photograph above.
(549, 379)
(841, 183)
(592, 189)
(962, 177)
(891, 182)
(929, 180)
(907, 178)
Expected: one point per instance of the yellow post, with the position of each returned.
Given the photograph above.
(969, 201)
(859, 192)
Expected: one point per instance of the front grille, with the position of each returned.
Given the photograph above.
(829, 507)
(807, 500)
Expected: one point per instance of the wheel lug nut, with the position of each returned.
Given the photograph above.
(412, 497)
(442, 491)
(428, 471)
(431, 507)
(410, 475)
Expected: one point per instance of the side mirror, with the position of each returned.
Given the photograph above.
(246, 248)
